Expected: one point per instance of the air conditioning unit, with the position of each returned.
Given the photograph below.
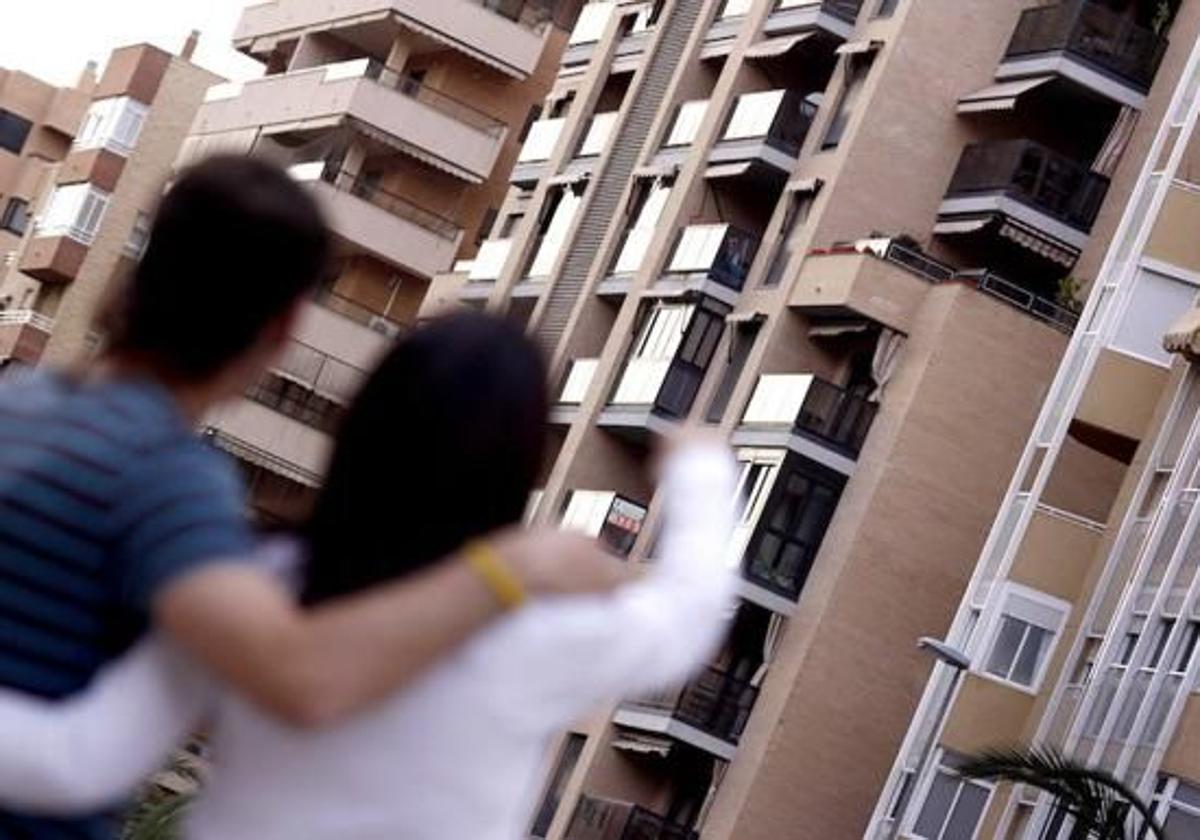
(384, 326)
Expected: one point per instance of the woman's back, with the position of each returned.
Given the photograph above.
(457, 755)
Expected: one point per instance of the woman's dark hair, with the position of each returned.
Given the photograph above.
(234, 243)
(442, 444)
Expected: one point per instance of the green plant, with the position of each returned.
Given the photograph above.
(1069, 294)
(158, 813)
(1101, 806)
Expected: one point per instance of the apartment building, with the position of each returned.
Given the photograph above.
(1080, 625)
(37, 123)
(404, 117)
(90, 221)
(853, 236)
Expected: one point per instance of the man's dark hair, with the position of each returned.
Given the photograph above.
(234, 243)
(443, 444)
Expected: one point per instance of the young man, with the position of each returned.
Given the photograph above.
(114, 514)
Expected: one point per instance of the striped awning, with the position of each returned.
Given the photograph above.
(413, 152)
(1039, 243)
(1184, 336)
(1000, 97)
(776, 46)
(957, 227)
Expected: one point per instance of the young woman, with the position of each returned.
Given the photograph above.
(442, 446)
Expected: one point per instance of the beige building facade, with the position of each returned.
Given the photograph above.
(404, 117)
(1079, 627)
(854, 237)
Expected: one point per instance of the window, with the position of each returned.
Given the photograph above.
(568, 757)
(1157, 300)
(139, 236)
(757, 472)
(646, 207)
(687, 369)
(602, 514)
(651, 354)
(1183, 818)
(1024, 635)
(799, 203)
(16, 216)
(1183, 659)
(591, 23)
(509, 225)
(76, 211)
(753, 115)
(14, 131)
(1086, 664)
(557, 216)
(535, 111)
(792, 527)
(886, 8)
(687, 123)
(857, 67)
(953, 805)
(300, 402)
(485, 224)
(112, 124)
(741, 342)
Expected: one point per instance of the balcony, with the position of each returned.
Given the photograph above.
(534, 158)
(765, 129)
(400, 111)
(505, 34)
(576, 384)
(344, 330)
(23, 335)
(605, 516)
(590, 28)
(1089, 44)
(1043, 200)
(810, 416)
(607, 819)
(385, 225)
(710, 712)
(710, 258)
(829, 18)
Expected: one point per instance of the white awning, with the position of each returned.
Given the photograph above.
(959, 226)
(412, 151)
(727, 170)
(1039, 243)
(804, 185)
(776, 46)
(1000, 97)
(1184, 336)
(716, 49)
(570, 177)
(745, 317)
(858, 47)
(644, 744)
(837, 328)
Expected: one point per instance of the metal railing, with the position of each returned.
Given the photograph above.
(714, 702)
(1113, 43)
(358, 312)
(256, 456)
(1034, 175)
(608, 819)
(450, 106)
(836, 417)
(364, 188)
(730, 263)
(321, 373)
(935, 271)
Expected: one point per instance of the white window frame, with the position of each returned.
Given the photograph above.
(942, 766)
(653, 351)
(75, 211)
(637, 241)
(758, 470)
(1034, 608)
(556, 234)
(139, 236)
(114, 124)
(687, 123)
(753, 115)
(698, 248)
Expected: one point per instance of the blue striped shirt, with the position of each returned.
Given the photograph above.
(106, 496)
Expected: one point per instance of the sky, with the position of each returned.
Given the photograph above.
(54, 39)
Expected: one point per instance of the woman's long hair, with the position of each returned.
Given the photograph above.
(443, 444)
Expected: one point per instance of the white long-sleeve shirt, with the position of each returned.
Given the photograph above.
(456, 755)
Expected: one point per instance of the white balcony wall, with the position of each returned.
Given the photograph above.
(687, 123)
(735, 8)
(489, 260)
(575, 389)
(1156, 302)
(114, 124)
(698, 247)
(75, 211)
(778, 398)
(637, 242)
(598, 133)
(539, 143)
(555, 235)
(591, 23)
(753, 115)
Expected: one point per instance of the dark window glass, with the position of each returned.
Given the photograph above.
(567, 759)
(886, 8)
(14, 131)
(741, 342)
(16, 216)
(856, 74)
(296, 401)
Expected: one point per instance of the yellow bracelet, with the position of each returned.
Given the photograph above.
(494, 571)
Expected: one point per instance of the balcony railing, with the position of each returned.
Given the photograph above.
(606, 516)
(606, 819)
(812, 408)
(1108, 41)
(434, 98)
(720, 251)
(1028, 172)
(532, 14)
(401, 208)
(355, 311)
(714, 702)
